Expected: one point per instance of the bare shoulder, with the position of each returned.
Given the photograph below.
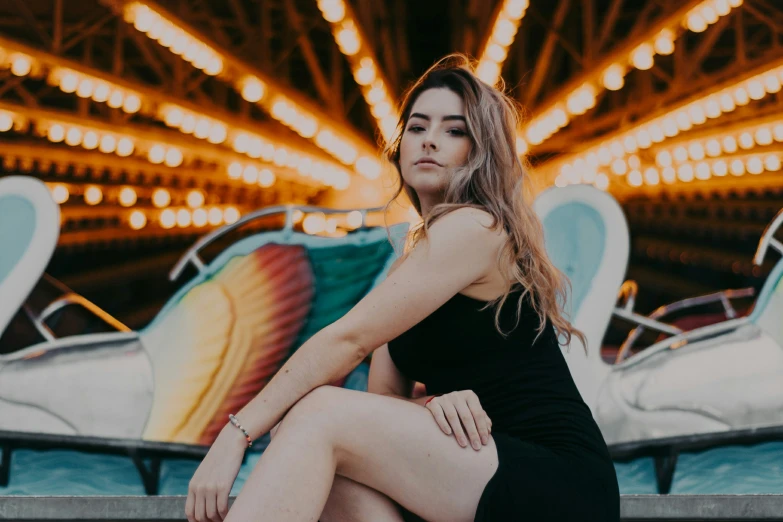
(465, 236)
(470, 227)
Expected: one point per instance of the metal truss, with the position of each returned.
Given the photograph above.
(558, 47)
(576, 47)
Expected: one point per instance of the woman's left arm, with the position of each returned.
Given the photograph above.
(460, 249)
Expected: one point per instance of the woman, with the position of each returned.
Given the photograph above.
(471, 311)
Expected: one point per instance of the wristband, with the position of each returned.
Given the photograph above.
(236, 423)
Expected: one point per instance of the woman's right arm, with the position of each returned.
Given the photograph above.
(386, 379)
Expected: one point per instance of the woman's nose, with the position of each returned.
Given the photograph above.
(430, 142)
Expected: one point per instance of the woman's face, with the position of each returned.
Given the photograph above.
(434, 142)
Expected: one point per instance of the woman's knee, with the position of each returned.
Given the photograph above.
(314, 408)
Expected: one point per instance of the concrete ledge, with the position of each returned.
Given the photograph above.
(637, 508)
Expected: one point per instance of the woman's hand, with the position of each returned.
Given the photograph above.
(451, 408)
(211, 484)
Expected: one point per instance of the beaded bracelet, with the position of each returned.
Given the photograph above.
(235, 422)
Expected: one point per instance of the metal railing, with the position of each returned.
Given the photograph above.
(191, 256)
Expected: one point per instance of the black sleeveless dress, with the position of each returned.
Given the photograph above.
(553, 461)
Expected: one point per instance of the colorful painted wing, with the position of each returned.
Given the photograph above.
(224, 340)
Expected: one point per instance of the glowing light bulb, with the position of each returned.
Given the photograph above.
(635, 178)
(230, 215)
(755, 165)
(252, 89)
(85, 89)
(168, 218)
(737, 167)
(6, 122)
(772, 163)
(235, 170)
(55, 133)
(73, 137)
(642, 57)
(125, 147)
(108, 144)
(21, 65)
(354, 219)
(137, 220)
(720, 168)
(131, 104)
(69, 82)
(173, 157)
(184, 219)
(90, 140)
(685, 172)
(266, 178)
(664, 42)
(215, 216)
(702, 171)
(613, 77)
(200, 217)
(127, 197)
(60, 193)
(696, 23)
(161, 198)
(157, 154)
(195, 199)
(314, 223)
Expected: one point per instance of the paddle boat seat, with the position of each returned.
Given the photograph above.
(211, 348)
(716, 378)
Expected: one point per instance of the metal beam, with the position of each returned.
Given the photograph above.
(705, 47)
(620, 52)
(57, 22)
(310, 56)
(607, 28)
(241, 17)
(542, 64)
(32, 23)
(234, 69)
(105, 168)
(155, 98)
(83, 31)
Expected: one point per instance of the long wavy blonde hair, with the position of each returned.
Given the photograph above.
(495, 180)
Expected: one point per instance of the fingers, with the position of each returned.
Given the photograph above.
(480, 417)
(462, 414)
(466, 416)
(201, 509)
(190, 506)
(210, 501)
(440, 417)
(206, 504)
(454, 421)
(222, 504)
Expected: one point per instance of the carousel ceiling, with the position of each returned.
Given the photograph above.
(156, 121)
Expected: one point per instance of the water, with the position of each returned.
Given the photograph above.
(729, 470)
(755, 469)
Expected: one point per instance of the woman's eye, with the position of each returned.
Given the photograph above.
(457, 132)
(415, 128)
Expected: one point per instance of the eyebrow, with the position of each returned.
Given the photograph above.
(445, 118)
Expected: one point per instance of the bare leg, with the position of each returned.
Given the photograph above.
(350, 501)
(392, 446)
